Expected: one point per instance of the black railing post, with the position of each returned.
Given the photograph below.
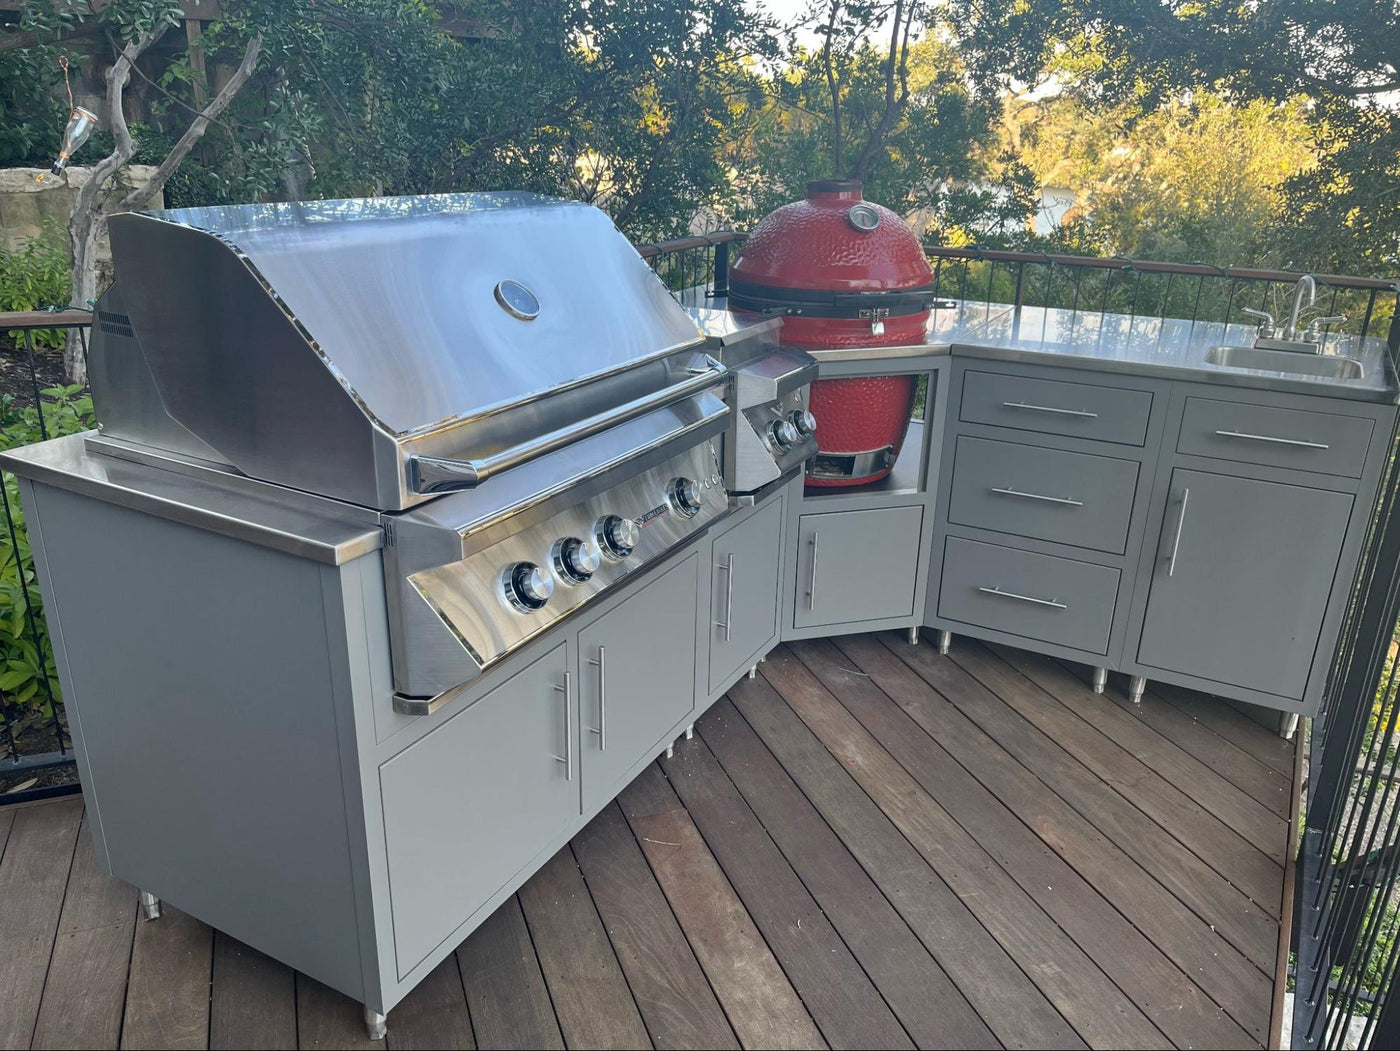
(721, 283)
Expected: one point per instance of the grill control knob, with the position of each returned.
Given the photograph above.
(804, 422)
(617, 535)
(527, 587)
(784, 434)
(576, 560)
(685, 497)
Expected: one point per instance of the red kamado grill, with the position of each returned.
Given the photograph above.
(842, 272)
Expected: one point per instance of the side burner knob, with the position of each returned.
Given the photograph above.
(784, 434)
(804, 422)
(576, 560)
(685, 496)
(526, 586)
(617, 535)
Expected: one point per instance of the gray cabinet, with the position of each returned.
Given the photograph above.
(744, 591)
(638, 671)
(503, 772)
(1241, 580)
(855, 566)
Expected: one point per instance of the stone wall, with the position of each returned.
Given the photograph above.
(26, 202)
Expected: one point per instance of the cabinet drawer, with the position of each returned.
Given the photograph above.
(1276, 437)
(1056, 600)
(1106, 414)
(470, 804)
(1050, 494)
(855, 566)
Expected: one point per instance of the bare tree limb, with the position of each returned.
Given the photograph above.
(833, 86)
(142, 195)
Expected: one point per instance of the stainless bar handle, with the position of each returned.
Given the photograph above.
(1050, 408)
(1180, 526)
(812, 582)
(1024, 598)
(1008, 491)
(568, 757)
(1268, 438)
(728, 568)
(439, 474)
(602, 728)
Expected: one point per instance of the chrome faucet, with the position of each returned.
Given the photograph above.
(1291, 336)
(1305, 288)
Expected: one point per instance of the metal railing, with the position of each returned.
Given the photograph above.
(36, 755)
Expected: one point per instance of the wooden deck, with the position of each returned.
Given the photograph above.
(868, 846)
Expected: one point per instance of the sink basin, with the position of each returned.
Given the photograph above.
(1328, 366)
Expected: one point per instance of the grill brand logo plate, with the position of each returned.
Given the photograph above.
(655, 512)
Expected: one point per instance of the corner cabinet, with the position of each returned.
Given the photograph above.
(1243, 573)
(744, 582)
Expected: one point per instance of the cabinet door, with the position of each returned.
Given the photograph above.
(1242, 578)
(638, 666)
(470, 804)
(744, 591)
(855, 566)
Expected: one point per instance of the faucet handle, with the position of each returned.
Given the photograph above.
(1318, 323)
(1266, 320)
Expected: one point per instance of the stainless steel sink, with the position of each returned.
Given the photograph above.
(1328, 366)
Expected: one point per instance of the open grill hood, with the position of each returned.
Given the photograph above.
(341, 346)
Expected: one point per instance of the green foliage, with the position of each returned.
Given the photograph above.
(34, 276)
(67, 410)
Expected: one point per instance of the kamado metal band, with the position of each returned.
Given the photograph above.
(823, 303)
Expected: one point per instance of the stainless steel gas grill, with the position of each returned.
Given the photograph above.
(500, 375)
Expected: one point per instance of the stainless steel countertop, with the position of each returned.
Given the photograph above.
(298, 523)
(1170, 348)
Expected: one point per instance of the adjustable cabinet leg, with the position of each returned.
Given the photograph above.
(753, 672)
(671, 751)
(1288, 725)
(1100, 679)
(690, 732)
(150, 905)
(914, 635)
(376, 1024)
(1136, 688)
(945, 642)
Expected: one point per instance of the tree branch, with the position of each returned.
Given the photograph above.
(141, 196)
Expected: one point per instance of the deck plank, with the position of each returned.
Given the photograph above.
(676, 1002)
(1203, 956)
(1242, 922)
(758, 999)
(506, 994)
(1031, 855)
(252, 1004)
(590, 995)
(1089, 1001)
(1214, 842)
(86, 982)
(1007, 1000)
(433, 1016)
(926, 1002)
(835, 989)
(1229, 722)
(328, 1019)
(1254, 778)
(33, 875)
(167, 1000)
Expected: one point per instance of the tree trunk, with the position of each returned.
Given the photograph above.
(84, 229)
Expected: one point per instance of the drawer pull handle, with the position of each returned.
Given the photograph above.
(1050, 408)
(728, 568)
(1024, 598)
(568, 757)
(1180, 526)
(1068, 501)
(602, 728)
(1268, 438)
(812, 581)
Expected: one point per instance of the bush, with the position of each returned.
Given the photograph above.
(66, 410)
(36, 275)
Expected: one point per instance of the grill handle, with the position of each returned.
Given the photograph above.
(438, 474)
